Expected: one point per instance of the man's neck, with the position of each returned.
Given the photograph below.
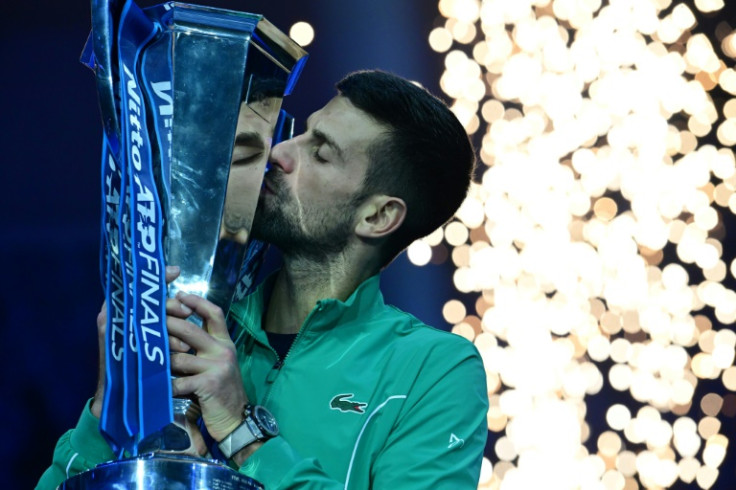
(301, 283)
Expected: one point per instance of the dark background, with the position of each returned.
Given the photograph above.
(49, 168)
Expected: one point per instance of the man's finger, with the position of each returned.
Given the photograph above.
(172, 272)
(210, 313)
(102, 316)
(192, 385)
(96, 406)
(176, 308)
(188, 364)
(178, 345)
(183, 386)
(189, 333)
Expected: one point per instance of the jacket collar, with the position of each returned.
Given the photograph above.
(365, 302)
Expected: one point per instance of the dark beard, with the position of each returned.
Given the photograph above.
(275, 224)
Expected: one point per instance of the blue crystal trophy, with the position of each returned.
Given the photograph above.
(190, 98)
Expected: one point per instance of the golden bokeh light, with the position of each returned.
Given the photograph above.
(591, 252)
(302, 32)
(440, 39)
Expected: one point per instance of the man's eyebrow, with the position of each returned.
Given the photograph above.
(249, 138)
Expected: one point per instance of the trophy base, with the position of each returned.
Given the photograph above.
(157, 471)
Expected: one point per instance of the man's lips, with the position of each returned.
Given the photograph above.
(271, 183)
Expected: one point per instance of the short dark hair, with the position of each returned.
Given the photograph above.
(426, 157)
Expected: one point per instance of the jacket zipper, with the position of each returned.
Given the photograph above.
(276, 368)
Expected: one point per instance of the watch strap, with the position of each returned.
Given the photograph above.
(244, 434)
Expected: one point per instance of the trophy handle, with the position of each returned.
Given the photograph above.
(102, 43)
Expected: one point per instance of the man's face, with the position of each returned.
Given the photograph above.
(313, 190)
(248, 163)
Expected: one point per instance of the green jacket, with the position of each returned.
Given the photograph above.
(367, 397)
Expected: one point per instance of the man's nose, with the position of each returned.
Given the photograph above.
(283, 156)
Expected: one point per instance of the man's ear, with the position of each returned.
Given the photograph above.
(379, 216)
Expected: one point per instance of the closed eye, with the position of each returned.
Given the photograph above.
(249, 148)
(316, 155)
(323, 139)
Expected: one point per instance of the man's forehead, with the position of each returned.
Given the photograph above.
(317, 116)
(340, 117)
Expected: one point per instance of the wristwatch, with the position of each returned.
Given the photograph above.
(258, 425)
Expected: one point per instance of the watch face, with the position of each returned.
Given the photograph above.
(266, 421)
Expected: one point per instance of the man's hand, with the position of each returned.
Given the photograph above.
(211, 374)
(96, 406)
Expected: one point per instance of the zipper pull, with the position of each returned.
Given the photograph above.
(274, 371)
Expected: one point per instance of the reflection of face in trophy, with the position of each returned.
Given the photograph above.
(250, 153)
(251, 147)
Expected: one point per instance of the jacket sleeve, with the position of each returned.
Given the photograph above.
(439, 438)
(278, 467)
(76, 451)
(437, 441)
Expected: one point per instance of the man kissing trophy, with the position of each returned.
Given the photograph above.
(190, 98)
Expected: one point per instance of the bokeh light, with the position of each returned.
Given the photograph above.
(591, 252)
(302, 32)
